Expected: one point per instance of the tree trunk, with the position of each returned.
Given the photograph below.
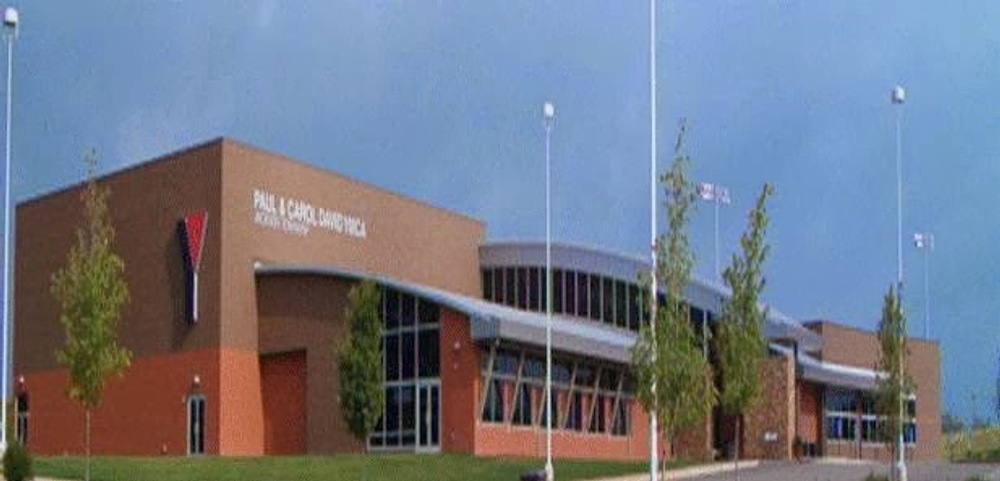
(739, 434)
(86, 472)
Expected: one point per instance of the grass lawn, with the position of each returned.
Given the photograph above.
(443, 467)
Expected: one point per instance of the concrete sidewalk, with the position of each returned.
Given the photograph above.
(690, 472)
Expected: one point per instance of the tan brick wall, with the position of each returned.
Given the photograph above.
(774, 413)
(855, 347)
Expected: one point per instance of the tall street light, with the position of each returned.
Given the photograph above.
(925, 242)
(10, 22)
(548, 115)
(717, 195)
(898, 98)
(653, 458)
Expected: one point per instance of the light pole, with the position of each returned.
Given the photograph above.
(10, 22)
(548, 115)
(925, 242)
(653, 458)
(717, 195)
(898, 98)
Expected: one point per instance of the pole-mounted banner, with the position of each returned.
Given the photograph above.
(192, 230)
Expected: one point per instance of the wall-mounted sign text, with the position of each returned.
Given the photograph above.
(298, 217)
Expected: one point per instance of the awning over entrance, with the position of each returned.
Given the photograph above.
(828, 373)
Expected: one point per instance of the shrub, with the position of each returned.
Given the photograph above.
(17, 463)
(976, 477)
(876, 477)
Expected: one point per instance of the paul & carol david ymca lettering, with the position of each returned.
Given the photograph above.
(297, 216)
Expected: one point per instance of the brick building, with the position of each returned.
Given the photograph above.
(239, 262)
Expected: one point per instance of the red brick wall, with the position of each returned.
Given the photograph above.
(459, 383)
(519, 441)
(144, 413)
(283, 383)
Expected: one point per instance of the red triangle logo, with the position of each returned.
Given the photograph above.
(194, 237)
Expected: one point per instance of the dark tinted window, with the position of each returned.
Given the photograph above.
(570, 292)
(391, 308)
(534, 289)
(488, 284)
(408, 310)
(429, 348)
(582, 297)
(557, 290)
(595, 297)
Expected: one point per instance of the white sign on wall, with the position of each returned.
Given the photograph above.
(296, 216)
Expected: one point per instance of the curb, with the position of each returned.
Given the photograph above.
(691, 472)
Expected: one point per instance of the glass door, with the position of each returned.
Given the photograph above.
(428, 416)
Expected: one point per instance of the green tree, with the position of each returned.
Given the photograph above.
(91, 291)
(668, 357)
(895, 384)
(362, 397)
(741, 344)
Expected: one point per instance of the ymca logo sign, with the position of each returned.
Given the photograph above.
(192, 234)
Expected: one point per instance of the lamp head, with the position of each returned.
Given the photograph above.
(10, 19)
(548, 111)
(898, 95)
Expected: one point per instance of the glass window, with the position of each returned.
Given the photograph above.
(584, 376)
(557, 290)
(505, 362)
(561, 371)
(493, 408)
(582, 296)
(498, 284)
(555, 409)
(488, 284)
(392, 410)
(522, 288)
(574, 420)
(620, 302)
(391, 309)
(597, 418)
(634, 307)
(608, 291)
(407, 359)
(534, 368)
(570, 293)
(510, 292)
(430, 355)
(407, 415)
(595, 297)
(408, 310)
(522, 406)
(622, 419)
(840, 427)
(428, 312)
(871, 429)
(391, 357)
(910, 433)
(534, 289)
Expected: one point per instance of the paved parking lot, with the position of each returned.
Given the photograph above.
(831, 471)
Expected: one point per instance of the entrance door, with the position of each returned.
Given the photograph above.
(196, 425)
(428, 416)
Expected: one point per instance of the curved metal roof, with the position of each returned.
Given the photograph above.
(491, 321)
(702, 293)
